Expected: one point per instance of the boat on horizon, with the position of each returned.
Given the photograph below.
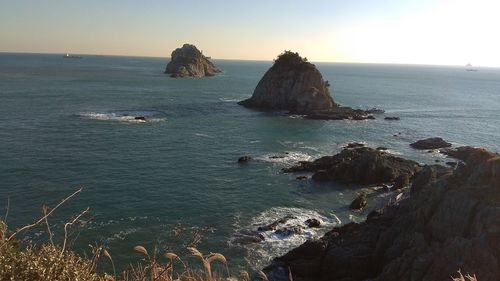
(68, 56)
(469, 67)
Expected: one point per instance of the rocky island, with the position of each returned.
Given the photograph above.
(188, 61)
(295, 85)
(448, 220)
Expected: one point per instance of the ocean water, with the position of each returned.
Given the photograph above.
(69, 123)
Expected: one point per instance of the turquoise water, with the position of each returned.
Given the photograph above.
(65, 123)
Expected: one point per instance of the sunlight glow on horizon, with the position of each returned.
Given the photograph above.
(415, 32)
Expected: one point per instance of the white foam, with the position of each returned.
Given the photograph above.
(121, 235)
(296, 116)
(204, 135)
(229, 99)
(289, 158)
(123, 116)
(273, 245)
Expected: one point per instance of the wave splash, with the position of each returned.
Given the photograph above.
(125, 116)
(289, 230)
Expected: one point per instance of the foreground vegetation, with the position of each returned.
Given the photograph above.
(22, 260)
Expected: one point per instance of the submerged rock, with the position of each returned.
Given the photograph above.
(289, 231)
(188, 61)
(313, 223)
(450, 222)
(274, 224)
(359, 202)
(430, 143)
(392, 118)
(295, 85)
(363, 165)
(244, 159)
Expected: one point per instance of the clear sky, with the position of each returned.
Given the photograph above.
(384, 31)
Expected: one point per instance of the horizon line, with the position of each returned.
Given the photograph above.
(237, 59)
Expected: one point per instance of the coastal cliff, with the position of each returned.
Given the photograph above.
(296, 85)
(448, 220)
(188, 61)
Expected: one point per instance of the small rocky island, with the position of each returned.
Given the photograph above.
(188, 61)
(296, 85)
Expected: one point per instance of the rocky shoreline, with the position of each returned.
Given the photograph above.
(447, 220)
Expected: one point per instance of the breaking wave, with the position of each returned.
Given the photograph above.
(125, 116)
(262, 246)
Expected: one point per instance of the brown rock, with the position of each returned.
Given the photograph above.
(430, 143)
(359, 203)
(295, 85)
(188, 61)
(358, 165)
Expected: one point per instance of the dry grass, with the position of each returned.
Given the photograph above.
(51, 262)
(461, 277)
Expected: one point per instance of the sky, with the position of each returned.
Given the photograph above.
(442, 32)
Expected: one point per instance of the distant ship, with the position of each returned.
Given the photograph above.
(468, 67)
(68, 56)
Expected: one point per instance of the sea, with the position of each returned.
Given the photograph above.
(174, 181)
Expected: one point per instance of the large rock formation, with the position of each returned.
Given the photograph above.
(362, 165)
(295, 85)
(450, 221)
(188, 61)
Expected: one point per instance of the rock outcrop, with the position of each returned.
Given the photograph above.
(359, 203)
(295, 85)
(244, 159)
(430, 143)
(450, 221)
(361, 165)
(188, 61)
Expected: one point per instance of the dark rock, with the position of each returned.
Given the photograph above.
(289, 231)
(273, 225)
(430, 143)
(391, 118)
(188, 61)
(401, 182)
(359, 165)
(141, 118)
(314, 223)
(277, 157)
(452, 164)
(354, 145)
(295, 85)
(244, 159)
(375, 110)
(302, 177)
(450, 222)
(382, 148)
(359, 203)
